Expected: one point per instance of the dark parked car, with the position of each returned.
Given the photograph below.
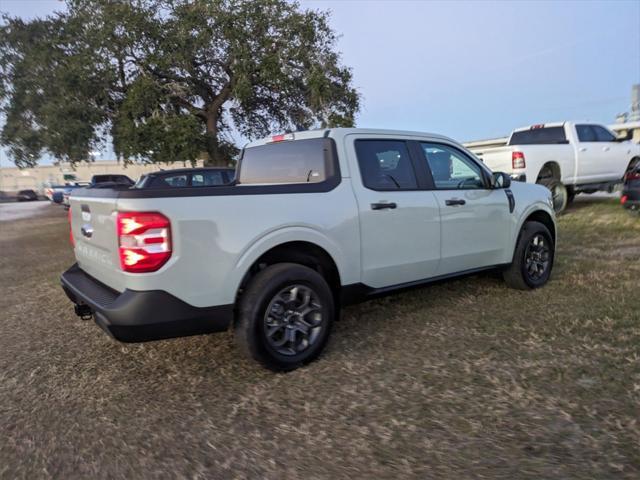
(110, 180)
(631, 189)
(26, 196)
(187, 177)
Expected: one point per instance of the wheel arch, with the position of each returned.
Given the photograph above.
(634, 161)
(302, 252)
(554, 169)
(544, 218)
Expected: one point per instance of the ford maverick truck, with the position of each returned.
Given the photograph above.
(313, 221)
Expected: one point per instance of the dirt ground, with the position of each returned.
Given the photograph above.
(465, 379)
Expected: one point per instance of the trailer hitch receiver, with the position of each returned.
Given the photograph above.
(83, 311)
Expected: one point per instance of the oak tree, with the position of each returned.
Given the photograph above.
(168, 79)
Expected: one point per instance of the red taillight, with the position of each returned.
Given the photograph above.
(517, 160)
(623, 199)
(281, 138)
(144, 241)
(71, 239)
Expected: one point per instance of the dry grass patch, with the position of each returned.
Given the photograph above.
(464, 379)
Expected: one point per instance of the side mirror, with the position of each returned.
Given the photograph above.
(501, 180)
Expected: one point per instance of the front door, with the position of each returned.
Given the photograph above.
(474, 217)
(399, 221)
(600, 158)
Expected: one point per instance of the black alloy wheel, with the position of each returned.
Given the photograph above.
(537, 257)
(293, 320)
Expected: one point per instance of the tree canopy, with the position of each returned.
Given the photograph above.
(167, 79)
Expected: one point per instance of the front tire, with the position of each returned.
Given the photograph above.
(285, 316)
(533, 258)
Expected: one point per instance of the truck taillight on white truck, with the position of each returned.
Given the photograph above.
(314, 221)
(568, 158)
(144, 241)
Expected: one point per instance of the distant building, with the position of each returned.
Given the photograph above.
(13, 179)
(634, 114)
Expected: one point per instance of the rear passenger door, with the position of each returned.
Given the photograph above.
(475, 218)
(399, 219)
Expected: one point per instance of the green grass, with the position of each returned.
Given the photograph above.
(465, 379)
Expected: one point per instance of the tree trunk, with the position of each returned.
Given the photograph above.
(215, 156)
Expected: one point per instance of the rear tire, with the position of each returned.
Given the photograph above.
(533, 258)
(285, 316)
(558, 192)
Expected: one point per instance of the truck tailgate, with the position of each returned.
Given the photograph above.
(497, 159)
(93, 226)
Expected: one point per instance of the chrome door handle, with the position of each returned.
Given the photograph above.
(582, 149)
(454, 201)
(383, 205)
(605, 149)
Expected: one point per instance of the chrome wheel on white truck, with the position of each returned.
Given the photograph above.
(559, 193)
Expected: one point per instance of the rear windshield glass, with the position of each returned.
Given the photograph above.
(110, 178)
(297, 161)
(537, 136)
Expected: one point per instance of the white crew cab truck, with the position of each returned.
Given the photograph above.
(313, 221)
(568, 158)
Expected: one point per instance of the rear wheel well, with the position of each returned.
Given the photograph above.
(550, 170)
(545, 219)
(632, 163)
(303, 253)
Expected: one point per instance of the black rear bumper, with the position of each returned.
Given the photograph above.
(139, 316)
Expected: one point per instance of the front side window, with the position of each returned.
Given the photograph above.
(602, 134)
(451, 169)
(385, 165)
(297, 161)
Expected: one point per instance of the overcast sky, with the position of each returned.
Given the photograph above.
(473, 70)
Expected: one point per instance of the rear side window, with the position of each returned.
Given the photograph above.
(585, 133)
(208, 179)
(537, 136)
(173, 181)
(297, 161)
(385, 165)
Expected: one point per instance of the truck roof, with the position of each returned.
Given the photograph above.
(343, 132)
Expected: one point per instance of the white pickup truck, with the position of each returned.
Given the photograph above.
(314, 220)
(568, 158)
